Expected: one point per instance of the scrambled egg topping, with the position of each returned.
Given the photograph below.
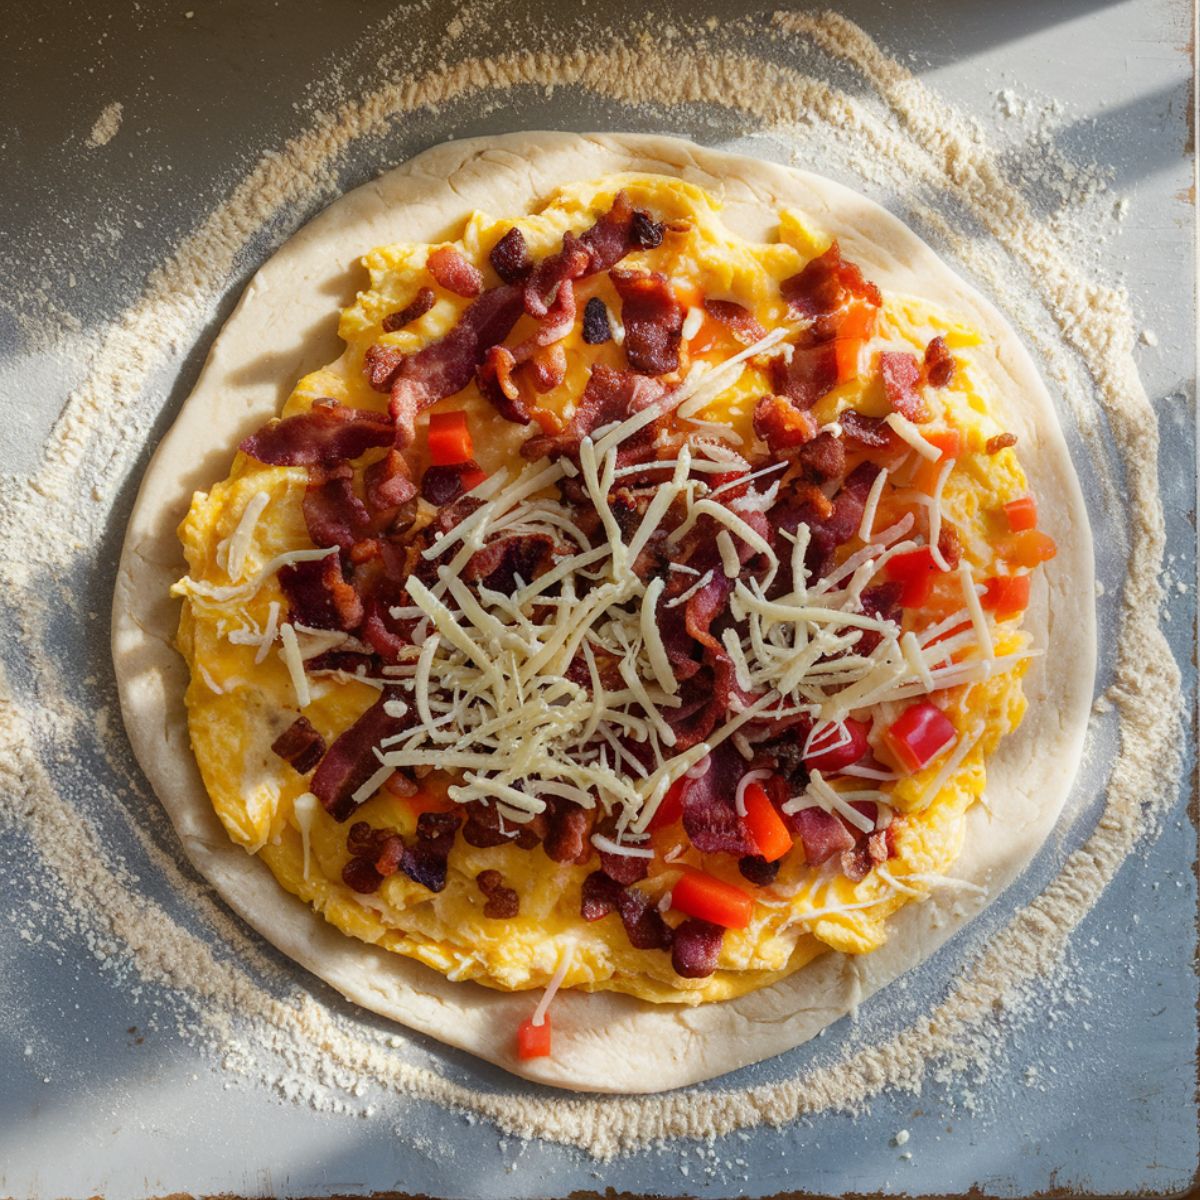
(241, 697)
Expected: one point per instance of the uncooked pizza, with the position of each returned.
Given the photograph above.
(635, 605)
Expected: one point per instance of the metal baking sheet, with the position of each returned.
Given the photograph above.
(1095, 1094)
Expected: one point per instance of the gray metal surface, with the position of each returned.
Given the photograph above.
(1095, 1095)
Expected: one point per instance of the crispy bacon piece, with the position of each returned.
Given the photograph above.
(482, 826)
(709, 817)
(653, 320)
(901, 374)
(811, 373)
(510, 257)
(596, 327)
(1001, 441)
(380, 364)
(950, 545)
(782, 425)
(882, 601)
(703, 608)
(502, 902)
(549, 367)
(643, 923)
(610, 395)
(387, 483)
(420, 304)
(498, 386)
(599, 896)
(329, 433)
(333, 514)
(499, 563)
(319, 596)
(360, 876)
(696, 947)
(939, 363)
(573, 261)
(425, 861)
(823, 458)
(351, 761)
(737, 318)
(442, 485)
(301, 745)
(453, 272)
(449, 364)
(570, 832)
(757, 870)
(873, 432)
(623, 868)
(822, 834)
(824, 288)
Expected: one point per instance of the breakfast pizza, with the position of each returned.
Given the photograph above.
(635, 619)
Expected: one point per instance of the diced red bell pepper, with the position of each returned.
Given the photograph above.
(837, 757)
(766, 826)
(848, 354)
(472, 478)
(1027, 548)
(914, 570)
(670, 808)
(713, 900)
(948, 441)
(1006, 595)
(859, 322)
(449, 439)
(533, 1041)
(919, 735)
(1022, 514)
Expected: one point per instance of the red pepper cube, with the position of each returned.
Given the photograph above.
(919, 735)
(714, 900)
(841, 752)
(533, 1041)
(914, 570)
(670, 808)
(1022, 514)
(449, 439)
(1006, 595)
(766, 826)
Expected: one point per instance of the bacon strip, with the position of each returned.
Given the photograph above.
(709, 817)
(653, 321)
(510, 257)
(610, 395)
(901, 374)
(824, 288)
(319, 596)
(811, 373)
(737, 318)
(329, 433)
(696, 948)
(453, 272)
(351, 761)
(782, 425)
(301, 745)
(420, 304)
(334, 515)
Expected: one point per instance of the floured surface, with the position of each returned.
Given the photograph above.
(869, 143)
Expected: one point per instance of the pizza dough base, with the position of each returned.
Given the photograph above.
(605, 1041)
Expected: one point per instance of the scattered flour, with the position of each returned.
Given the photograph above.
(107, 125)
(211, 979)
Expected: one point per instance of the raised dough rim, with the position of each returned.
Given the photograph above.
(607, 1042)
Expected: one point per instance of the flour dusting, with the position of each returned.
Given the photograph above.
(107, 125)
(211, 978)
